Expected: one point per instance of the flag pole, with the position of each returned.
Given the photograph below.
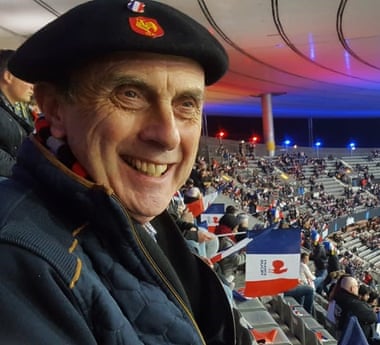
(232, 233)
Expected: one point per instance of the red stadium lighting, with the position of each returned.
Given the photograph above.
(254, 139)
(221, 134)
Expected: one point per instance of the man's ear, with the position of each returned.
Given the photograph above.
(49, 103)
(7, 76)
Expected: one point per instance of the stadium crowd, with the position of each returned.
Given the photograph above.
(263, 193)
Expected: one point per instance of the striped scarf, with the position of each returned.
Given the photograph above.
(58, 147)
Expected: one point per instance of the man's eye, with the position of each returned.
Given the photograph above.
(189, 104)
(128, 97)
(127, 92)
(188, 108)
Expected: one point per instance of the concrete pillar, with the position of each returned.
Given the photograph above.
(268, 130)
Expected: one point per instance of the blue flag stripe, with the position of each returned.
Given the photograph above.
(217, 208)
(275, 241)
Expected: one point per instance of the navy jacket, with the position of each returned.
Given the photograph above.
(76, 269)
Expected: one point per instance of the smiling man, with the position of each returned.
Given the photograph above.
(90, 256)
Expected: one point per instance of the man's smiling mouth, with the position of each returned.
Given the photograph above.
(147, 168)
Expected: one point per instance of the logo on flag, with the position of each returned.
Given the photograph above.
(278, 267)
(272, 261)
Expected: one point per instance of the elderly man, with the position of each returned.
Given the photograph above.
(89, 254)
(347, 303)
(13, 128)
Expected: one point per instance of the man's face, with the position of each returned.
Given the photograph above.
(19, 90)
(134, 125)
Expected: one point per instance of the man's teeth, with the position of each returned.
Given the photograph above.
(149, 169)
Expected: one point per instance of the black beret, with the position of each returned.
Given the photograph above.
(100, 27)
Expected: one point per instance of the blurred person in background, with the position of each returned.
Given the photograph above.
(13, 127)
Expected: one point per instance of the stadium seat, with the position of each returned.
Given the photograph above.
(259, 318)
(280, 339)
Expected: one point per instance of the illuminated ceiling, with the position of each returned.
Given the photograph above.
(320, 58)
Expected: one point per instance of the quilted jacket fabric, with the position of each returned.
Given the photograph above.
(76, 269)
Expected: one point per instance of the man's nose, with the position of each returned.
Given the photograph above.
(162, 128)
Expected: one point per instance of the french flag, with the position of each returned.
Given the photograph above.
(272, 261)
(199, 206)
(196, 207)
(212, 215)
(136, 6)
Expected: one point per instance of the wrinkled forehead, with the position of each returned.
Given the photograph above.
(145, 70)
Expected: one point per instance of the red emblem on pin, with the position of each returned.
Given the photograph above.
(146, 26)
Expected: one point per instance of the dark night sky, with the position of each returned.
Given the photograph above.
(331, 132)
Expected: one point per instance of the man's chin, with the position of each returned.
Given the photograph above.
(146, 214)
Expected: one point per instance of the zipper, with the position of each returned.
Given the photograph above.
(232, 313)
(159, 272)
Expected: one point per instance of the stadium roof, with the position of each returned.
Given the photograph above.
(317, 58)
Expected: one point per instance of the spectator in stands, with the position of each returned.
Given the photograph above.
(196, 177)
(318, 256)
(335, 289)
(243, 228)
(333, 265)
(363, 292)
(348, 264)
(306, 239)
(227, 226)
(304, 295)
(348, 303)
(92, 256)
(373, 298)
(368, 279)
(13, 128)
(335, 277)
(200, 240)
(231, 209)
(306, 277)
(191, 192)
